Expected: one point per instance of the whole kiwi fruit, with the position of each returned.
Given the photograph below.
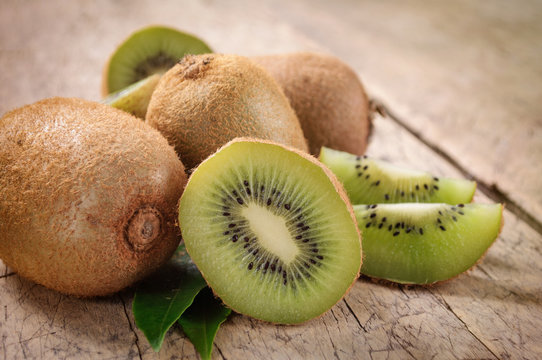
(88, 196)
(327, 96)
(207, 100)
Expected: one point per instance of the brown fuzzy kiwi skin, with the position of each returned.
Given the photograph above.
(88, 196)
(327, 96)
(207, 100)
(338, 188)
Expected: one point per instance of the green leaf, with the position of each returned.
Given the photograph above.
(201, 321)
(161, 299)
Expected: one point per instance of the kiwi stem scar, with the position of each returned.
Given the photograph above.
(271, 231)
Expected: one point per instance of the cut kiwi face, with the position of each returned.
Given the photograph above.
(415, 243)
(271, 231)
(372, 181)
(135, 98)
(152, 50)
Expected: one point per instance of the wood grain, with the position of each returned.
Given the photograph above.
(464, 75)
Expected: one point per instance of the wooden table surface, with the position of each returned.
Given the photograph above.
(461, 83)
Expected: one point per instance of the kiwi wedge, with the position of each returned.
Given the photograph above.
(151, 50)
(373, 181)
(415, 243)
(135, 98)
(271, 231)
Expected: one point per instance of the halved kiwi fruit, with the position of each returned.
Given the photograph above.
(372, 181)
(417, 243)
(271, 231)
(135, 98)
(152, 50)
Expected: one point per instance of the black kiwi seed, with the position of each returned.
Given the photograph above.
(287, 206)
(396, 233)
(240, 201)
(245, 182)
(268, 201)
(226, 214)
(358, 166)
(250, 266)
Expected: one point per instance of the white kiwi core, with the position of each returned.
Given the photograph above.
(271, 231)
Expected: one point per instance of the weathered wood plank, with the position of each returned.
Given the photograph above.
(465, 75)
(39, 323)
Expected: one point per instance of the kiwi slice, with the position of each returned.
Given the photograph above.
(271, 231)
(372, 181)
(135, 98)
(417, 243)
(152, 50)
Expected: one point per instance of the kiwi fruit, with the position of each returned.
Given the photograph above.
(207, 100)
(327, 97)
(416, 243)
(372, 181)
(88, 196)
(135, 98)
(148, 51)
(271, 231)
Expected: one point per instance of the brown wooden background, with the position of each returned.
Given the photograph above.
(462, 85)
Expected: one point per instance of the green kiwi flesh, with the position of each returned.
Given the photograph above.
(151, 50)
(415, 243)
(373, 181)
(88, 196)
(271, 231)
(135, 98)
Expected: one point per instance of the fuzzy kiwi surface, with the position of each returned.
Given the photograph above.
(148, 51)
(88, 196)
(271, 231)
(372, 181)
(134, 99)
(207, 100)
(327, 96)
(415, 243)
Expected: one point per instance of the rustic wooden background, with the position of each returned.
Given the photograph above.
(461, 83)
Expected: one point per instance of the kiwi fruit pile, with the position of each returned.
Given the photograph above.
(88, 196)
(271, 227)
(271, 231)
